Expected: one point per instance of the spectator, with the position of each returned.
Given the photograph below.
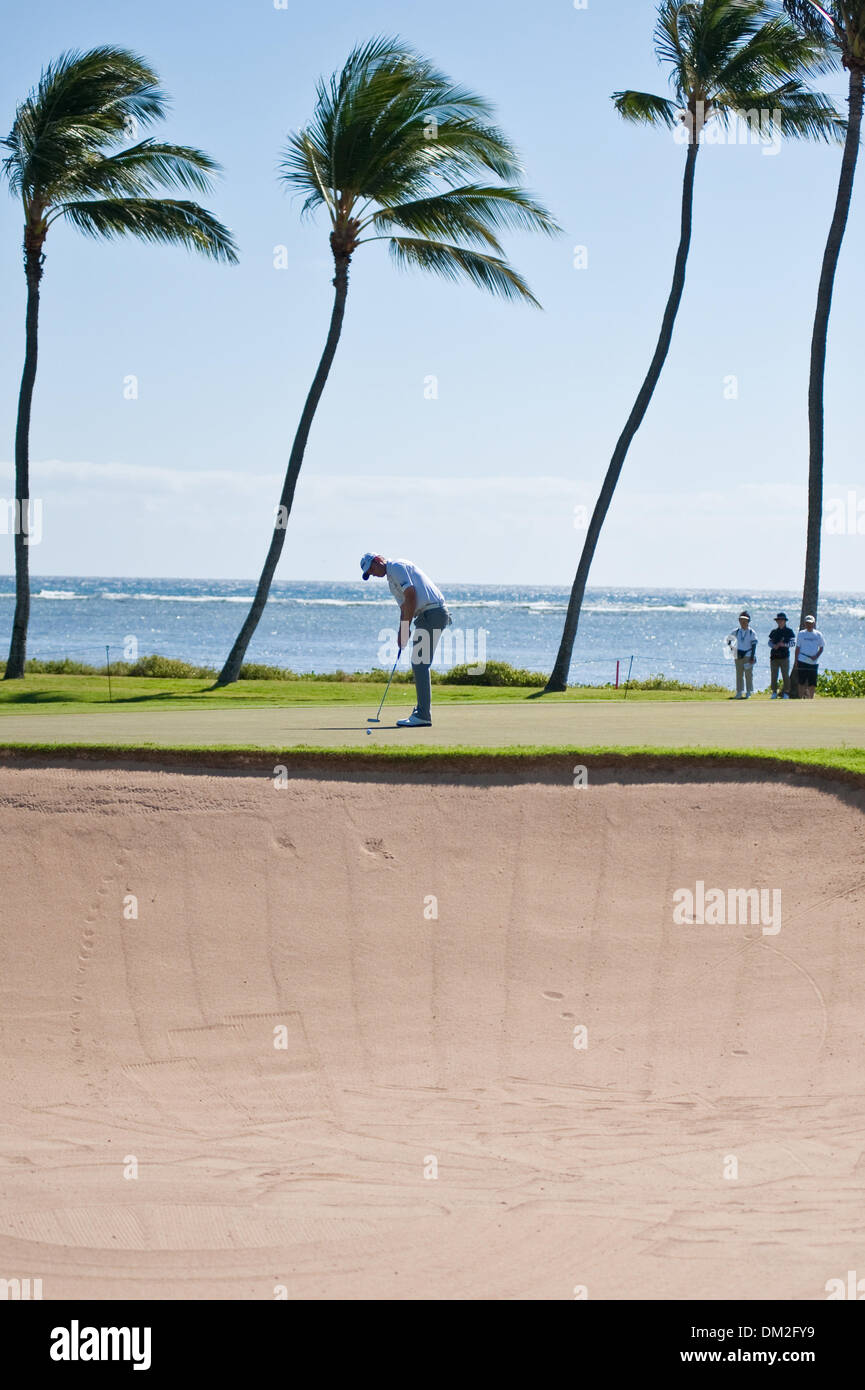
(781, 641)
(809, 649)
(743, 641)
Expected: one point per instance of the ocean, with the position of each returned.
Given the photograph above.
(323, 626)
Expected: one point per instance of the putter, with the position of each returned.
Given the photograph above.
(377, 719)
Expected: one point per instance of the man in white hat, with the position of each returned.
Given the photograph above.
(809, 648)
(742, 641)
(420, 600)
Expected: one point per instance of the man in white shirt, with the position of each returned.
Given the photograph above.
(809, 647)
(419, 599)
(743, 642)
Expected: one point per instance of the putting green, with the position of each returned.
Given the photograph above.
(716, 724)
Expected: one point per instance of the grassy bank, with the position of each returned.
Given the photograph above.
(849, 762)
(65, 693)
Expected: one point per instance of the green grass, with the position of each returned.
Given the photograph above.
(845, 760)
(66, 693)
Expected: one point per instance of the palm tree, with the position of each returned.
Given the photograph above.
(841, 26)
(392, 149)
(726, 58)
(69, 157)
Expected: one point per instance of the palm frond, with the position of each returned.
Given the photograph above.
(472, 212)
(775, 52)
(810, 17)
(456, 263)
(794, 109)
(386, 128)
(83, 102)
(647, 109)
(142, 169)
(165, 220)
(301, 167)
(839, 23)
(733, 55)
(395, 144)
(695, 38)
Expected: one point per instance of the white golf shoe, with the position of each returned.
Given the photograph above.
(414, 721)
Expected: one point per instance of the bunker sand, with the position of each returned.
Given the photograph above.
(422, 950)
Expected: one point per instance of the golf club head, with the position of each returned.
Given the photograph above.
(373, 721)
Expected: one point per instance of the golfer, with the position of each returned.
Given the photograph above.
(418, 599)
(809, 648)
(744, 642)
(781, 641)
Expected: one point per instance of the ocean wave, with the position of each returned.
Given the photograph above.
(59, 594)
(186, 598)
(694, 606)
(245, 598)
(340, 602)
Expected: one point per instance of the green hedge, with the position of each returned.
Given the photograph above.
(494, 673)
(661, 682)
(841, 684)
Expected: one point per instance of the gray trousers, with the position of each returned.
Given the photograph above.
(779, 667)
(428, 628)
(744, 674)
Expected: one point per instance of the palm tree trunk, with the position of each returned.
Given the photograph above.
(231, 669)
(811, 589)
(33, 259)
(559, 677)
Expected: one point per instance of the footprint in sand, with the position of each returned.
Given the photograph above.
(376, 849)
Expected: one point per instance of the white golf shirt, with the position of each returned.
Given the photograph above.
(402, 575)
(809, 644)
(746, 641)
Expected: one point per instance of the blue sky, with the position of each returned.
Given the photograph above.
(480, 484)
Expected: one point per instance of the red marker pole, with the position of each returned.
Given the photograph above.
(617, 675)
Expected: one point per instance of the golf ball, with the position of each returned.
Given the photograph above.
(369, 731)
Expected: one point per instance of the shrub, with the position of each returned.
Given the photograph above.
(256, 671)
(167, 668)
(494, 673)
(66, 667)
(843, 685)
(662, 682)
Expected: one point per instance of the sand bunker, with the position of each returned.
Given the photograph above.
(320, 1038)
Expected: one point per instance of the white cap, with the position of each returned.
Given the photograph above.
(366, 562)
(810, 618)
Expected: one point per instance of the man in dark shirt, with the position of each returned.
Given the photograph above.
(781, 640)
